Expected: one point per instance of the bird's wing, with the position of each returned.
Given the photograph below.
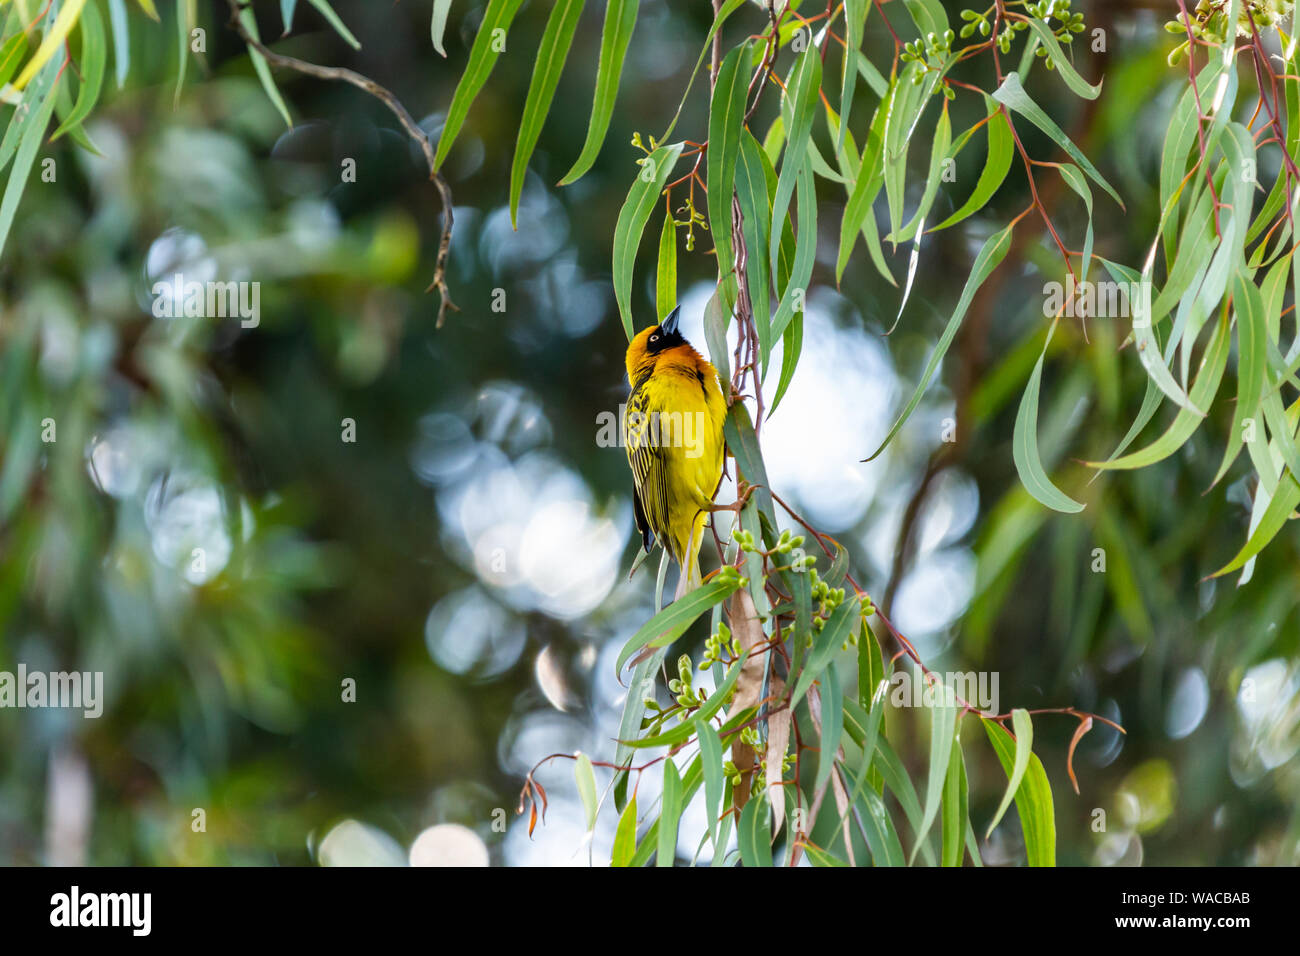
(649, 470)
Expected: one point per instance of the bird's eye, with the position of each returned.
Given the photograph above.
(655, 337)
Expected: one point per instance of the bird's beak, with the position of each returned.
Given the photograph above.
(669, 325)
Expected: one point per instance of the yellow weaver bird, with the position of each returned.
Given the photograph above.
(673, 433)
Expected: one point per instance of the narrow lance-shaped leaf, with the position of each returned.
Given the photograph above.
(1276, 515)
(943, 720)
(794, 298)
(1148, 348)
(551, 56)
(585, 777)
(940, 154)
(753, 195)
(738, 430)
(909, 103)
(670, 810)
(956, 809)
(670, 623)
(1029, 464)
(620, 20)
(666, 273)
(186, 13)
(1012, 94)
(41, 96)
(1024, 728)
(52, 41)
(438, 25)
(260, 67)
(990, 256)
(1001, 149)
(11, 54)
(94, 55)
(855, 18)
(799, 107)
(711, 763)
(121, 40)
(726, 121)
(1252, 342)
(1061, 62)
(868, 178)
(488, 43)
(716, 318)
(754, 832)
(1033, 798)
(1075, 179)
(836, 631)
(632, 218)
(336, 22)
(640, 687)
(791, 346)
(1186, 422)
(625, 836)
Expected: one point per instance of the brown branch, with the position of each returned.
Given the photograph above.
(411, 127)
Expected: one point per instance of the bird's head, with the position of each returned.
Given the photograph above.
(652, 344)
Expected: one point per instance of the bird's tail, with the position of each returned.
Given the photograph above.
(690, 579)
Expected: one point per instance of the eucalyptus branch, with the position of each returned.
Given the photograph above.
(408, 123)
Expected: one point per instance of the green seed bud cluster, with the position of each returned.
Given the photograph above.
(682, 687)
(1209, 22)
(719, 643)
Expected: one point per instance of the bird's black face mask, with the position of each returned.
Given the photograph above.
(667, 335)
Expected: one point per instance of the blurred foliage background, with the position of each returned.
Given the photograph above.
(464, 560)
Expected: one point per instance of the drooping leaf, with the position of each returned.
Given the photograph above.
(666, 273)
(620, 20)
(625, 836)
(990, 256)
(832, 726)
(943, 721)
(437, 27)
(669, 815)
(726, 121)
(670, 623)
(755, 207)
(956, 809)
(833, 635)
(1001, 149)
(121, 40)
(1033, 799)
(336, 23)
(632, 218)
(799, 108)
(711, 763)
(94, 54)
(1012, 95)
(1024, 727)
(29, 132)
(58, 32)
(260, 67)
(551, 56)
(754, 832)
(585, 777)
(1061, 62)
(482, 58)
(1029, 464)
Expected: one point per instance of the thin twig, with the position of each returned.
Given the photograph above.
(411, 127)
